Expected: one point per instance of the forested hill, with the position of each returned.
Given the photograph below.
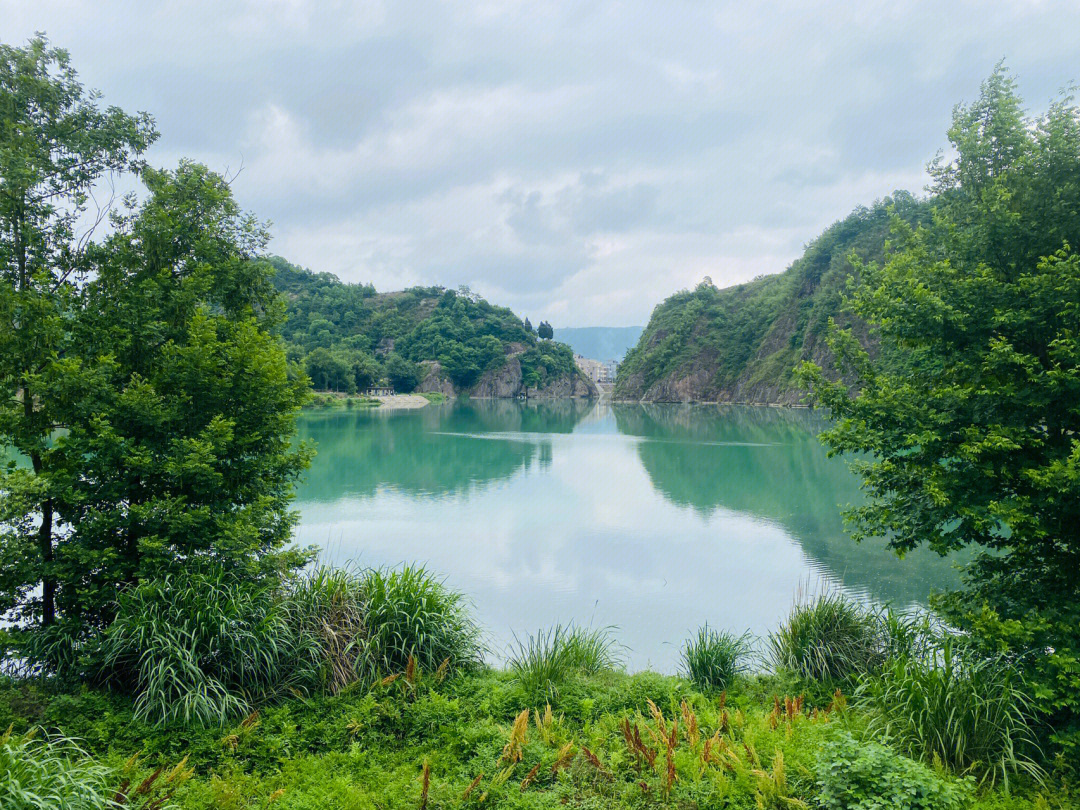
(741, 344)
(348, 337)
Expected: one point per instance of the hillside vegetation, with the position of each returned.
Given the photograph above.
(742, 343)
(347, 337)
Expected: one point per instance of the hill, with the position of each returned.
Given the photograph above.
(742, 343)
(347, 337)
(601, 342)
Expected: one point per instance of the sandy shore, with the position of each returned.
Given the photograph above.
(401, 402)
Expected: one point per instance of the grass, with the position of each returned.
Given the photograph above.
(411, 614)
(542, 663)
(952, 706)
(367, 748)
(43, 774)
(828, 636)
(713, 658)
(337, 710)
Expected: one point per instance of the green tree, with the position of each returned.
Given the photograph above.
(56, 142)
(544, 331)
(178, 452)
(967, 424)
(403, 374)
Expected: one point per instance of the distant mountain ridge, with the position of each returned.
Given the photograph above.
(742, 343)
(602, 343)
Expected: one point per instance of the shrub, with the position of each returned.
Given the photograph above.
(204, 649)
(967, 711)
(829, 636)
(412, 614)
(714, 657)
(542, 663)
(853, 775)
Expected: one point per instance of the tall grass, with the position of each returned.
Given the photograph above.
(328, 607)
(713, 658)
(543, 662)
(50, 774)
(827, 636)
(202, 648)
(968, 711)
(410, 613)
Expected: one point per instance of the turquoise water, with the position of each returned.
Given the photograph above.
(650, 518)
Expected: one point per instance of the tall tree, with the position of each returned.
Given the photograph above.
(967, 425)
(56, 142)
(178, 453)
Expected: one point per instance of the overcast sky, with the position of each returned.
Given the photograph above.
(576, 161)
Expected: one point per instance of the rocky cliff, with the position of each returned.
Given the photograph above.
(742, 344)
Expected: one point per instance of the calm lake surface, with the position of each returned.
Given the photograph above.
(652, 518)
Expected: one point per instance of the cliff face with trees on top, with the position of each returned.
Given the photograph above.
(742, 343)
(348, 337)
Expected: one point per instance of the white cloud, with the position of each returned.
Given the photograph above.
(576, 161)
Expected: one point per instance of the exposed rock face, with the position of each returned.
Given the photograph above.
(502, 382)
(570, 385)
(505, 383)
(435, 381)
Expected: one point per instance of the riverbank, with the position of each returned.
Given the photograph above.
(321, 400)
(479, 740)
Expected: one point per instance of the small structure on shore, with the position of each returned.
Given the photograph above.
(380, 391)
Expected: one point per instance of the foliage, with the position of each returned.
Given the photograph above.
(714, 658)
(411, 614)
(55, 143)
(542, 663)
(965, 427)
(826, 637)
(349, 337)
(365, 748)
(954, 706)
(752, 336)
(865, 775)
(203, 649)
(50, 774)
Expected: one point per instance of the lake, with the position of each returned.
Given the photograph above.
(652, 518)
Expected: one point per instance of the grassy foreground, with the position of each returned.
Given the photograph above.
(476, 739)
(367, 688)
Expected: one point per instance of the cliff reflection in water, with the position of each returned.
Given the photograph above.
(651, 518)
(439, 450)
(768, 462)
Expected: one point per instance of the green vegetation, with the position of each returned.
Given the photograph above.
(950, 704)
(713, 658)
(347, 337)
(463, 736)
(743, 343)
(828, 636)
(166, 646)
(543, 663)
(965, 424)
(864, 775)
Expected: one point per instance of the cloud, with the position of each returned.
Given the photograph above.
(576, 161)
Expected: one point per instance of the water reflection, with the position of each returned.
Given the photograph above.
(652, 518)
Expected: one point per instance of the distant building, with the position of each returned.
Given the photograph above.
(597, 371)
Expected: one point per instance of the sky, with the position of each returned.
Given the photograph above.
(578, 162)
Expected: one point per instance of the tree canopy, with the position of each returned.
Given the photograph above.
(966, 426)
